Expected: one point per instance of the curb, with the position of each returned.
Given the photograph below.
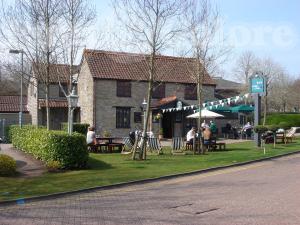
(130, 183)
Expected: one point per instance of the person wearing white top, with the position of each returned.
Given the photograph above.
(91, 136)
(190, 135)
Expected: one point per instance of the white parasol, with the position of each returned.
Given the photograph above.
(205, 114)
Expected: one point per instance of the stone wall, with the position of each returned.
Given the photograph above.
(85, 89)
(107, 101)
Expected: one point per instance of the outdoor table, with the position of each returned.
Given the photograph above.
(110, 143)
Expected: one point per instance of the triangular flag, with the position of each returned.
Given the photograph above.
(246, 95)
(163, 110)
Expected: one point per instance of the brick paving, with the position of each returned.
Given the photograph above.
(260, 193)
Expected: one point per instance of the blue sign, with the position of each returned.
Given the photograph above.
(258, 85)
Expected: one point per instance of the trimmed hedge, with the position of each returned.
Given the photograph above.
(290, 120)
(8, 165)
(81, 128)
(69, 150)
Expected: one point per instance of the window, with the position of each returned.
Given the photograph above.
(65, 87)
(123, 88)
(190, 92)
(137, 117)
(158, 90)
(122, 117)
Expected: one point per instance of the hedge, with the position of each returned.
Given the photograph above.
(69, 150)
(8, 165)
(290, 120)
(81, 128)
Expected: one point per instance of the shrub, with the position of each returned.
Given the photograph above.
(273, 127)
(260, 129)
(293, 120)
(53, 166)
(81, 128)
(106, 133)
(69, 150)
(8, 165)
(284, 125)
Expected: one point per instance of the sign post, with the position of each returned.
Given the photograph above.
(258, 88)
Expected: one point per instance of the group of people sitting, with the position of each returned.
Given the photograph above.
(208, 131)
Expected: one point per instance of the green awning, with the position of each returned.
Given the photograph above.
(224, 109)
(242, 108)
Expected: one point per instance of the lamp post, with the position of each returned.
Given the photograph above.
(14, 51)
(72, 103)
(144, 106)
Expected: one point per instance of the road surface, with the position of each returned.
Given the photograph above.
(261, 193)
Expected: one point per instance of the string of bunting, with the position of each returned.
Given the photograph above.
(211, 105)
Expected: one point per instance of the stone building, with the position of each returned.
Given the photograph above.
(57, 101)
(113, 85)
(9, 112)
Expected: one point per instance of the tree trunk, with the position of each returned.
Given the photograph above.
(147, 116)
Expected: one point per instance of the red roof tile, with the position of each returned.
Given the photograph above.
(54, 103)
(59, 72)
(11, 104)
(130, 66)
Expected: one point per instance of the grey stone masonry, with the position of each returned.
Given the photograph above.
(106, 102)
(86, 95)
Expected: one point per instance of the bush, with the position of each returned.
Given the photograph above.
(80, 128)
(284, 125)
(260, 129)
(69, 150)
(53, 166)
(273, 127)
(293, 120)
(8, 165)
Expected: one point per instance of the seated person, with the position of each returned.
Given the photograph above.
(204, 125)
(207, 136)
(91, 136)
(213, 128)
(247, 129)
(191, 135)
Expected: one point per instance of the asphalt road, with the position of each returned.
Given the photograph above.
(260, 193)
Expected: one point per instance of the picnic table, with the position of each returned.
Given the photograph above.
(110, 143)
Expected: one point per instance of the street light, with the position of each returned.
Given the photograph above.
(15, 51)
(144, 106)
(72, 103)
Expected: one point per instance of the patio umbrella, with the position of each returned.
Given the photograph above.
(205, 114)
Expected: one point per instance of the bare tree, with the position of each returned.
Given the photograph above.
(201, 22)
(32, 25)
(245, 66)
(149, 25)
(272, 71)
(78, 16)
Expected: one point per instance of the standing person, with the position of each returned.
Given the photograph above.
(191, 135)
(91, 136)
(213, 128)
(207, 135)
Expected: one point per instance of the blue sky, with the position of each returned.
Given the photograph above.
(268, 28)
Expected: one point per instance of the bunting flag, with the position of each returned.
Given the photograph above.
(213, 104)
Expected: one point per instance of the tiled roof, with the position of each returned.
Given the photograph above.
(11, 104)
(54, 103)
(59, 72)
(130, 66)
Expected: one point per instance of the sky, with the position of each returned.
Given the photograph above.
(267, 28)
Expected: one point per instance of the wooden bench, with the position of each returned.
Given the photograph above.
(112, 146)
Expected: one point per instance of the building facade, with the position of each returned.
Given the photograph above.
(57, 101)
(113, 85)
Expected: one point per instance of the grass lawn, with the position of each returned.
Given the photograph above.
(108, 169)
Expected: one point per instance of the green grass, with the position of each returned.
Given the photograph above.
(108, 169)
